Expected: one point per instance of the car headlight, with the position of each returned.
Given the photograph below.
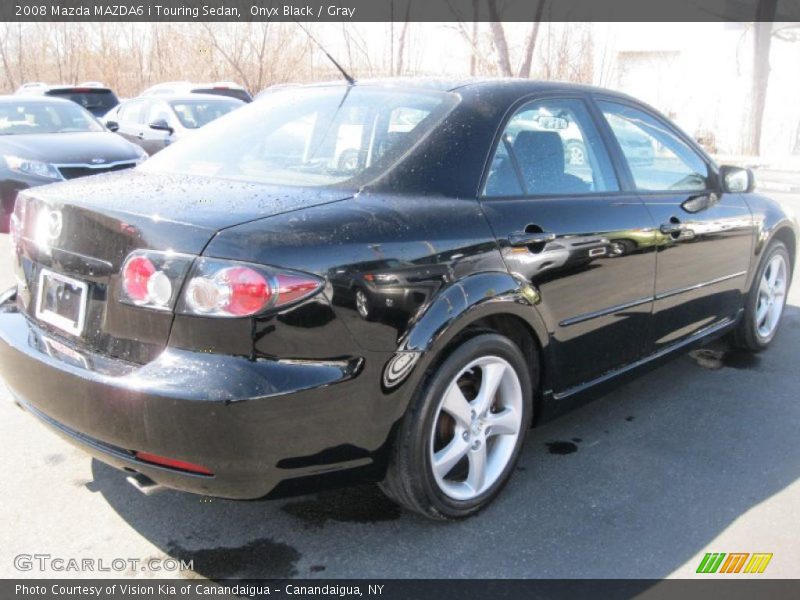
(31, 167)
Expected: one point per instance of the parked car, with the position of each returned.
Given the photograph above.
(185, 308)
(218, 88)
(91, 95)
(155, 123)
(43, 140)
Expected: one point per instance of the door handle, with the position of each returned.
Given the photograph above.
(141, 135)
(672, 227)
(527, 238)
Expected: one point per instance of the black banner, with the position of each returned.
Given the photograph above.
(732, 588)
(399, 10)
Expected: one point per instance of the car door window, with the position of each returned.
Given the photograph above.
(659, 160)
(158, 111)
(550, 147)
(131, 113)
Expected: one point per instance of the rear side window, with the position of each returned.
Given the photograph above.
(550, 147)
(658, 158)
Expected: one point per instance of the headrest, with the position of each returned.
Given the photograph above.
(540, 153)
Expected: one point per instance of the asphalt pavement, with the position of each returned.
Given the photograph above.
(697, 456)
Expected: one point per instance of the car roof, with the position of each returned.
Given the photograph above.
(475, 83)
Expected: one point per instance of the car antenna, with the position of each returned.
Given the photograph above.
(344, 73)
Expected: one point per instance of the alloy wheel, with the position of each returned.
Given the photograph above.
(476, 428)
(362, 304)
(771, 296)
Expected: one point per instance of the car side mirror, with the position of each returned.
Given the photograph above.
(112, 126)
(736, 180)
(696, 204)
(161, 125)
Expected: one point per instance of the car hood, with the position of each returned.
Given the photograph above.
(70, 148)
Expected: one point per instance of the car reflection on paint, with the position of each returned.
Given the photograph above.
(575, 251)
(378, 287)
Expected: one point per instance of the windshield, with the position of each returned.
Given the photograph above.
(310, 136)
(195, 113)
(20, 118)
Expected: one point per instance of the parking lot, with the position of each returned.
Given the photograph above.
(695, 457)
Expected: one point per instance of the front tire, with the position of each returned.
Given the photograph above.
(766, 300)
(462, 435)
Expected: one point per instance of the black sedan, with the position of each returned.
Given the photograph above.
(43, 140)
(192, 321)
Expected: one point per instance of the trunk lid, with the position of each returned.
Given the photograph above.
(85, 229)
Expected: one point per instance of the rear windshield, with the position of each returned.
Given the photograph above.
(242, 95)
(193, 114)
(20, 118)
(310, 136)
(97, 102)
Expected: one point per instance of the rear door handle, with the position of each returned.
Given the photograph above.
(526, 238)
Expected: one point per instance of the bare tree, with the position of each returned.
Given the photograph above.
(530, 46)
(500, 41)
(477, 58)
(5, 42)
(402, 42)
(763, 32)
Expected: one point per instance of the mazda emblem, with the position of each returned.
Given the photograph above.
(54, 224)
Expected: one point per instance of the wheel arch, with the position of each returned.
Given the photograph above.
(495, 302)
(787, 235)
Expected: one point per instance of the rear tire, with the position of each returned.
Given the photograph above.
(461, 437)
(765, 300)
(363, 305)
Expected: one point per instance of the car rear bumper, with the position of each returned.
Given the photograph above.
(252, 423)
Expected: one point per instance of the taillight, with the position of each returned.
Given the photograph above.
(215, 287)
(152, 279)
(135, 276)
(222, 288)
(238, 291)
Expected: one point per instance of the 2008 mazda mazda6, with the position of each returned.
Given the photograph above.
(384, 281)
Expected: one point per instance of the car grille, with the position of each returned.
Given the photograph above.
(73, 171)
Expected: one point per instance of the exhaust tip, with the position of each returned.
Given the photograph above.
(144, 484)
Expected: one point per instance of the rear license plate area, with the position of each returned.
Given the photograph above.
(61, 301)
(64, 353)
